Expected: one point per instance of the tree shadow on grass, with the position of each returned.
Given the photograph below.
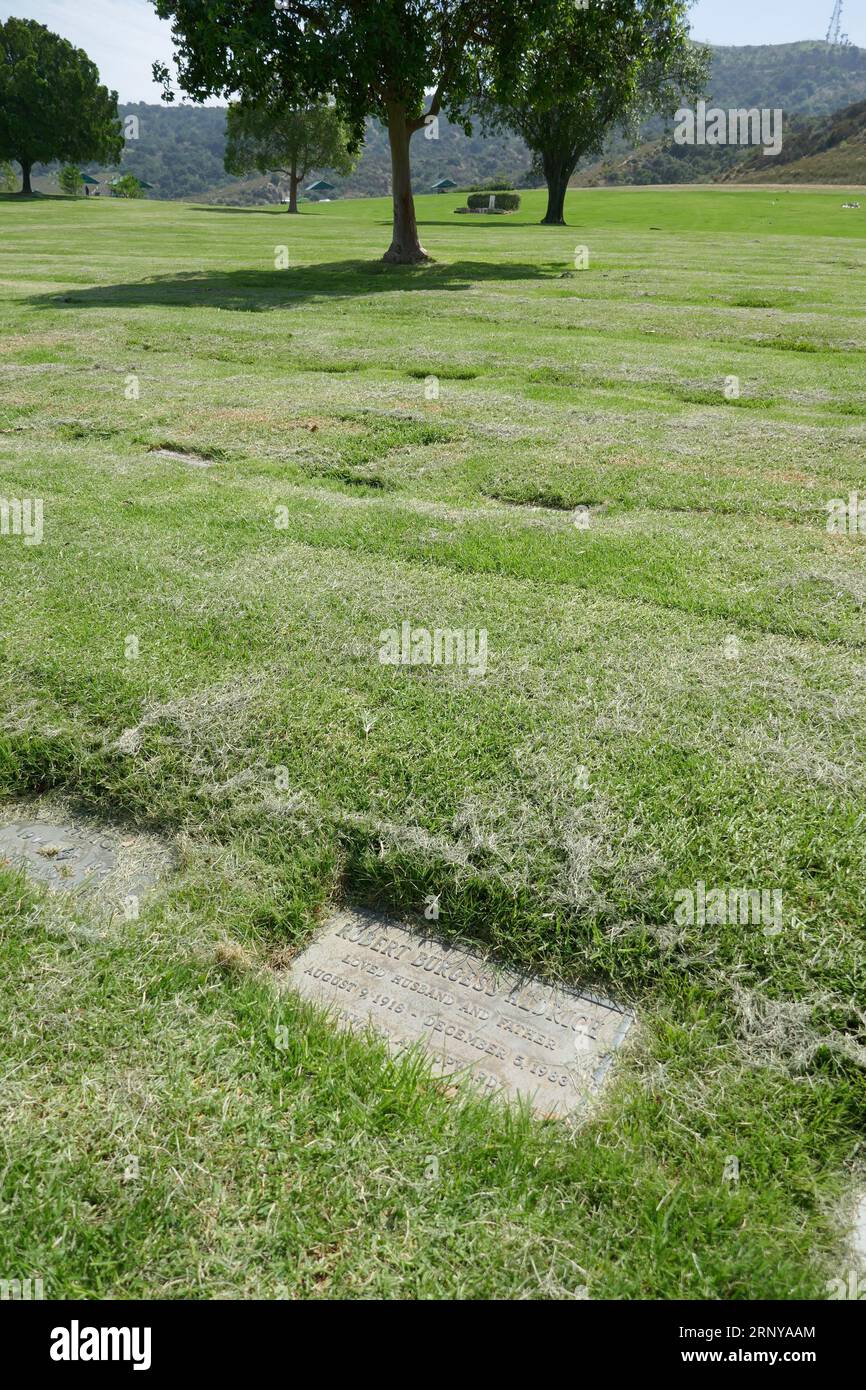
(259, 291)
(480, 220)
(271, 210)
(481, 223)
(37, 196)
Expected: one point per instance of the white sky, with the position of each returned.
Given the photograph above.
(123, 37)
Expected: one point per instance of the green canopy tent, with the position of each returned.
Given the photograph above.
(442, 185)
(318, 188)
(88, 178)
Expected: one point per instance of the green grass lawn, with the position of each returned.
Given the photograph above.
(675, 693)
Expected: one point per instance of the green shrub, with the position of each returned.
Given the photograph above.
(70, 179)
(502, 202)
(127, 187)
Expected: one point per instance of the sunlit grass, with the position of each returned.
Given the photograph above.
(698, 650)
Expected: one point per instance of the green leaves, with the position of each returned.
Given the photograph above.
(589, 71)
(128, 187)
(70, 180)
(52, 105)
(267, 138)
(363, 56)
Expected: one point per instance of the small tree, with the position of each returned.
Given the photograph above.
(7, 177)
(52, 105)
(285, 141)
(127, 186)
(70, 179)
(636, 58)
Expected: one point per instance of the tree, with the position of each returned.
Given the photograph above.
(70, 179)
(7, 177)
(373, 57)
(286, 141)
(127, 186)
(52, 105)
(635, 58)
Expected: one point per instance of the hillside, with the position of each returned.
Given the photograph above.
(658, 161)
(180, 148)
(820, 149)
(467, 159)
(811, 78)
(830, 149)
(806, 81)
(808, 78)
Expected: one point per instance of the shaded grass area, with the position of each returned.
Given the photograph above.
(673, 694)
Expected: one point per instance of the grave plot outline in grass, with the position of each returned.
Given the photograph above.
(646, 780)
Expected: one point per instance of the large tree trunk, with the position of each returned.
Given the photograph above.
(405, 248)
(557, 177)
(25, 178)
(293, 189)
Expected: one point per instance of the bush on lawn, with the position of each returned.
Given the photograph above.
(502, 202)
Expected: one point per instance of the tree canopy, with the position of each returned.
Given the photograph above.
(52, 104)
(634, 57)
(373, 57)
(287, 141)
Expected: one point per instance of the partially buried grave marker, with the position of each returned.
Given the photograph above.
(69, 853)
(553, 1045)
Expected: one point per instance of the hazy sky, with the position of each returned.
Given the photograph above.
(124, 36)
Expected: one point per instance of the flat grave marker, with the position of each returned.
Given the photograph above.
(70, 854)
(551, 1044)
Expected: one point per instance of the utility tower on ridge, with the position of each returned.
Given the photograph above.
(834, 34)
